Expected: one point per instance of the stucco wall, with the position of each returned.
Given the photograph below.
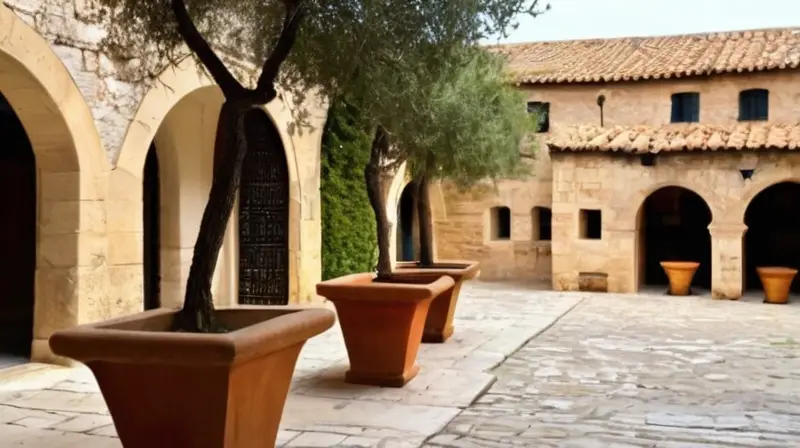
(463, 224)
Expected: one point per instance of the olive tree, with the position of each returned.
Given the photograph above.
(330, 47)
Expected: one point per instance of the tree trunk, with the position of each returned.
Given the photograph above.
(198, 314)
(373, 174)
(425, 222)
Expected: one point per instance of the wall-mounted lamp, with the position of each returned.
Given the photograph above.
(601, 100)
(648, 159)
(746, 174)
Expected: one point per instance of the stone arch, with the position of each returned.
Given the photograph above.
(71, 281)
(628, 219)
(177, 86)
(673, 225)
(772, 220)
(753, 188)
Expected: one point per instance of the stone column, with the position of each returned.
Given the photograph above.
(727, 260)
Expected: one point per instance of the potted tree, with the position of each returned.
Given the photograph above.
(477, 124)
(200, 377)
(383, 315)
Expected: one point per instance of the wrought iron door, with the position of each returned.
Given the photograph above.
(263, 216)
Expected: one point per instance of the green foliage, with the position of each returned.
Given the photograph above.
(348, 224)
(472, 124)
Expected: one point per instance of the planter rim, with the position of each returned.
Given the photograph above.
(466, 269)
(780, 270)
(680, 264)
(281, 327)
(354, 287)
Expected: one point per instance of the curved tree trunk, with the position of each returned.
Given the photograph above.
(198, 313)
(425, 221)
(373, 174)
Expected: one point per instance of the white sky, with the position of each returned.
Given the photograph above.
(582, 19)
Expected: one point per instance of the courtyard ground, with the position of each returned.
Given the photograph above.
(525, 368)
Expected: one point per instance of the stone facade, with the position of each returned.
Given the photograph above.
(90, 132)
(617, 185)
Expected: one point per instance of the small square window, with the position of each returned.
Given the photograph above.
(542, 224)
(542, 111)
(754, 105)
(501, 223)
(685, 107)
(591, 223)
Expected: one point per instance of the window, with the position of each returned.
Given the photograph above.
(542, 224)
(542, 110)
(685, 107)
(754, 105)
(591, 224)
(501, 223)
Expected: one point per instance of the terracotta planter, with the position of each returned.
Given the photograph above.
(776, 281)
(680, 274)
(187, 390)
(382, 324)
(439, 324)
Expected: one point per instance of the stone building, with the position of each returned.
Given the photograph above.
(104, 182)
(652, 149)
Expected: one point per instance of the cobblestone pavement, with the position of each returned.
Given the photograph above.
(47, 407)
(646, 371)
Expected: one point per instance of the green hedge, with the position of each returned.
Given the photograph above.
(349, 243)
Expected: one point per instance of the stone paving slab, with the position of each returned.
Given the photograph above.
(646, 371)
(55, 407)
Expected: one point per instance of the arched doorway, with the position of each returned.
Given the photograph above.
(263, 216)
(151, 203)
(406, 217)
(673, 226)
(17, 235)
(773, 232)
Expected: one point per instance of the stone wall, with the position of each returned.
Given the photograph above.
(90, 131)
(463, 223)
(618, 186)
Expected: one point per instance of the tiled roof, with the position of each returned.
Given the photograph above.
(674, 138)
(638, 58)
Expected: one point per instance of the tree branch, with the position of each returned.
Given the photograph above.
(197, 44)
(295, 12)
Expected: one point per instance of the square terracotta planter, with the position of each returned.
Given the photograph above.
(439, 324)
(382, 324)
(188, 390)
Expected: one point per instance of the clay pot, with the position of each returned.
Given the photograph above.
(188, 390)
(680, 274)
(439, 324)
(382, 324)
(776, 282)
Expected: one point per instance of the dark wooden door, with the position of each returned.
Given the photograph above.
(151, 201)
(263, 216)
(17, 234)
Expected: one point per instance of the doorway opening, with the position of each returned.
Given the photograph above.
(263, 216)
(773, 232)
(151, 202)
(17, 238)
(673, 226)
(406, 216)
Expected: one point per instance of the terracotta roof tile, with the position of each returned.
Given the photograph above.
(675, 138)
(635, 58)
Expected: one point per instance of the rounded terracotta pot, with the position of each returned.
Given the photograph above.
(680, 275)
(382, 324)
(439, 324)
(190, 390)
(776, 281)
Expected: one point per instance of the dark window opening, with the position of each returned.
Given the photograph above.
(542, 224)
(754, 105)
(591, 224)
(501, 223)
(542, 111)
(685, 107)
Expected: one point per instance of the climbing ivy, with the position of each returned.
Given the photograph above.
(349, 244)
